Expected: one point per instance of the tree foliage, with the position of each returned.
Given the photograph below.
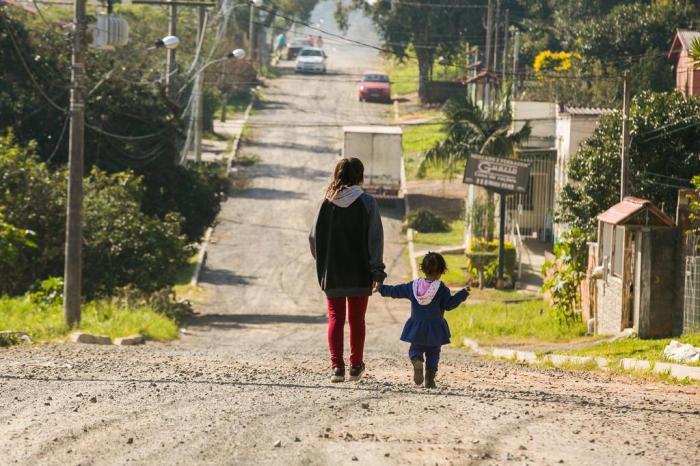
(417, 26)
(564, 275)
(664, 155)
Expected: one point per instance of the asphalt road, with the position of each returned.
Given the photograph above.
(249, 383)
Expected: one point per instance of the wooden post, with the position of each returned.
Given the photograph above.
(624, 169)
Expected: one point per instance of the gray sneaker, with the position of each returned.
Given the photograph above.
(338, 374)
(417, 371)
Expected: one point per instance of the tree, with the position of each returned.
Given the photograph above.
(664, 155)
(425, 29)
(694, 53)
(470, 130)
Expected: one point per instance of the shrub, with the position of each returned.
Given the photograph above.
(195, 191)
(122, 244)
(482, 262)
(426, 221)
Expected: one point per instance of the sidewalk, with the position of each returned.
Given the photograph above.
(217, 150)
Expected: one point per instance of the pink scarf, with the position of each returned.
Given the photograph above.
(424, 290)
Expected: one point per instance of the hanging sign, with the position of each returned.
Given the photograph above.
(498, 174)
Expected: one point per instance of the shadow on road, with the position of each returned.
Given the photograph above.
(223, 277)
(237, 320)
(269, 194)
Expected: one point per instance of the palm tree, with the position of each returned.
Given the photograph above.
(472, 130)
(694, 52)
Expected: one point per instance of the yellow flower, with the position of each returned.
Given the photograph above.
(553, 61)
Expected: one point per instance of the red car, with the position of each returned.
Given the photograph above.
(374, 86)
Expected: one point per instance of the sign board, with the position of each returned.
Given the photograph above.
(498, 174)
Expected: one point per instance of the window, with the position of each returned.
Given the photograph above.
(606, 245)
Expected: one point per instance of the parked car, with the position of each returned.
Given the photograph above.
(295, 46)
(374, 85)
(311, 59)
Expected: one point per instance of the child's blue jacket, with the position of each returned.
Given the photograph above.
(427, 325)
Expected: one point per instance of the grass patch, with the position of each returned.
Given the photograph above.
(236, 105)
(403, 76)
(454, 237)
(46, 323)
(184, 275)
(500, 323)
(652, 350)
(416, 140)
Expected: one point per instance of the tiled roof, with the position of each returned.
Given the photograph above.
(593, 111)
(630, 206)
(687, 37)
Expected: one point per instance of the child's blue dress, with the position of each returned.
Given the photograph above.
(427, 325)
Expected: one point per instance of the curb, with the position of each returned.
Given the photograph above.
(677, 371)
(201, 257)
(237, 141)
(412, 254)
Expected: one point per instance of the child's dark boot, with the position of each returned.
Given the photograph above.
(417, 371)
(430, 377)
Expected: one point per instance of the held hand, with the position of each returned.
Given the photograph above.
(375, 286)
(468, 290)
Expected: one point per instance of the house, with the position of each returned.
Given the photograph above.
(687, 78)
(633, 277)
(557, 130)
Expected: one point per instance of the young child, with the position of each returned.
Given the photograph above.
(426, 330)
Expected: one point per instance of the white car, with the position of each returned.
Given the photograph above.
(311, 59)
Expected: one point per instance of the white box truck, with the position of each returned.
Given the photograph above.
(381, 151)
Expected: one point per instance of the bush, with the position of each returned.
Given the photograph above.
(482, 262)
(426, 221)
(564, 275)
(122, 244)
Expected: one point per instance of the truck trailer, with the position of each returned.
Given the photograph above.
(381, 151)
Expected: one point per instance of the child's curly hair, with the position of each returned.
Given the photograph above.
(433, 264)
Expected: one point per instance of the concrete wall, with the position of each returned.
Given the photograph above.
(542, 117)
(609, 306)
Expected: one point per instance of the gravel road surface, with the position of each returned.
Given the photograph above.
(249, 383)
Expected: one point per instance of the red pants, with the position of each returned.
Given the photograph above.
(356, 307)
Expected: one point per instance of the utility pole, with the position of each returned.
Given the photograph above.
(505, 45)
(72, 284)
(496, 23)
(251, 33)
(488, 55)
(198, 107)
(516, 52)
(170, 63)
(624, 172)
(500, 280)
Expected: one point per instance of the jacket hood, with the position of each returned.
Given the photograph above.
(425, 290)
(347, 196)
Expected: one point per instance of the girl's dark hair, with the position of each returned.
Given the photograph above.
(348, 172)
(433, 264)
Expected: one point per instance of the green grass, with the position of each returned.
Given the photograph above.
(184, 275)
(46, 323)
(501, 323)
(454, 237)
(403, 76)
(236, 105)
(652, 350)
(419, 138)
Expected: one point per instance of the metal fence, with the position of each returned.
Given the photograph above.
(691, 293)
(691, 298)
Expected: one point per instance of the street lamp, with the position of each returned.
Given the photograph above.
(168, 42)
(198, 114)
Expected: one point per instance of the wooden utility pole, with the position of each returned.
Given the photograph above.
(496, 23)
(516, 52)
(251, 32)
(72, 284)
(198, 107)
(170, 63)
(488, 55)
(500, 279)
(624, 169)
(505, 45)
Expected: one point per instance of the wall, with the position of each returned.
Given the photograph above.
(542, 116)
(609, 306)
(440, 91)
(687, 80)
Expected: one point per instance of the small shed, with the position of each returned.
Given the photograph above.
(636, 280)
(687, 77)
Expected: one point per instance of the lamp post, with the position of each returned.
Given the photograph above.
(198, 114)
(251, 28)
